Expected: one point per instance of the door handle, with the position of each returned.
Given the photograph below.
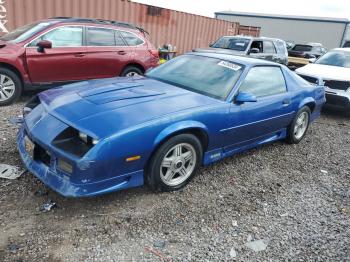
(79, 55)
(286, 102)
(121, 53)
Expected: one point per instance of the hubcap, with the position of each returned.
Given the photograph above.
(132, 74)
(7, 87)
(178, 164)
(301, 125)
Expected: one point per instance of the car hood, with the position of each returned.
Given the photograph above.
(325, 72)
(219, 51)
(7, 48)
(106, 106)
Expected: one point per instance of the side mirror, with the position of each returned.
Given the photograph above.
(254, 50)
(43, 44)
(245, 97)
(211, 44)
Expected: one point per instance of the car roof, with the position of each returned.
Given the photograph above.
(314, 44)
(103, 22)
(253, 37)
(247, 61)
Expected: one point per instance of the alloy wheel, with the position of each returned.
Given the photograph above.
(178, 164)
(7, 87)
(301, 125)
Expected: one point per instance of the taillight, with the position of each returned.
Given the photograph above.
(154, 52)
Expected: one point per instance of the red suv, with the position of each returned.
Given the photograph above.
(62, 49)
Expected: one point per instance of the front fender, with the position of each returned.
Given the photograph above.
(177, 127)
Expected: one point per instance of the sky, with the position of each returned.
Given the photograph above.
(326, 8)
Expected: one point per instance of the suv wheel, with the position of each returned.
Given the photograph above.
(131, 71)
(10, 86)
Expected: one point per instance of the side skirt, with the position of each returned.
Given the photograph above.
(220, 153)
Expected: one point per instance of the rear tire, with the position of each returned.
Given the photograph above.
(10, 87)
(299, 126)
(175, 163)
(131, 71)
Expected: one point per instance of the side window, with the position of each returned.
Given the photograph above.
(269, 47)
(100, 37)
(131, 39)
(68, 36)
(264, 81)
(258, 45)
(280, 47)
(119, 39)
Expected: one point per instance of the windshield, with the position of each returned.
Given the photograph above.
(24, 32)
(209, 76)
(238, 44)
(335, 58)
(302, 48)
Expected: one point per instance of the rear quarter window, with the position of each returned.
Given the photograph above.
(280, 47)
(131, 39)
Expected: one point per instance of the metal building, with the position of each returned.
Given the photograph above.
(331, 32)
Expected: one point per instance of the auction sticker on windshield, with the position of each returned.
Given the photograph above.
(229, 65)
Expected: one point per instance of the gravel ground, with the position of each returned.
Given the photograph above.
(291, 202)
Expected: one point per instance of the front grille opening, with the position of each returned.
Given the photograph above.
(340, 85)
(69, 141)
(40, 154)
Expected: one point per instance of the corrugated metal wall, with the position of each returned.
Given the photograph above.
(183, 30)
(249, 30)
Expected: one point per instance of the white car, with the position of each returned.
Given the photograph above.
(332, 69)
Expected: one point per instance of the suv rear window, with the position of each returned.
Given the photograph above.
(302, 48)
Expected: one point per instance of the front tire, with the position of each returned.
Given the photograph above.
(174, 163)
(10, 87)
(297, 129)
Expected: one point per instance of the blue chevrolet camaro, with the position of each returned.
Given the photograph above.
(100, 136)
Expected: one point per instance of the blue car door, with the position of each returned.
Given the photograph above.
(251, 122)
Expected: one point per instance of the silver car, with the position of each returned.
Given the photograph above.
(333, 69)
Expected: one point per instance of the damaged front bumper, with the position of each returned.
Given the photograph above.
(337, 99)
(50, 174)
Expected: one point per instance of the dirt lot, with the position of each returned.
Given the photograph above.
(296, 199)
